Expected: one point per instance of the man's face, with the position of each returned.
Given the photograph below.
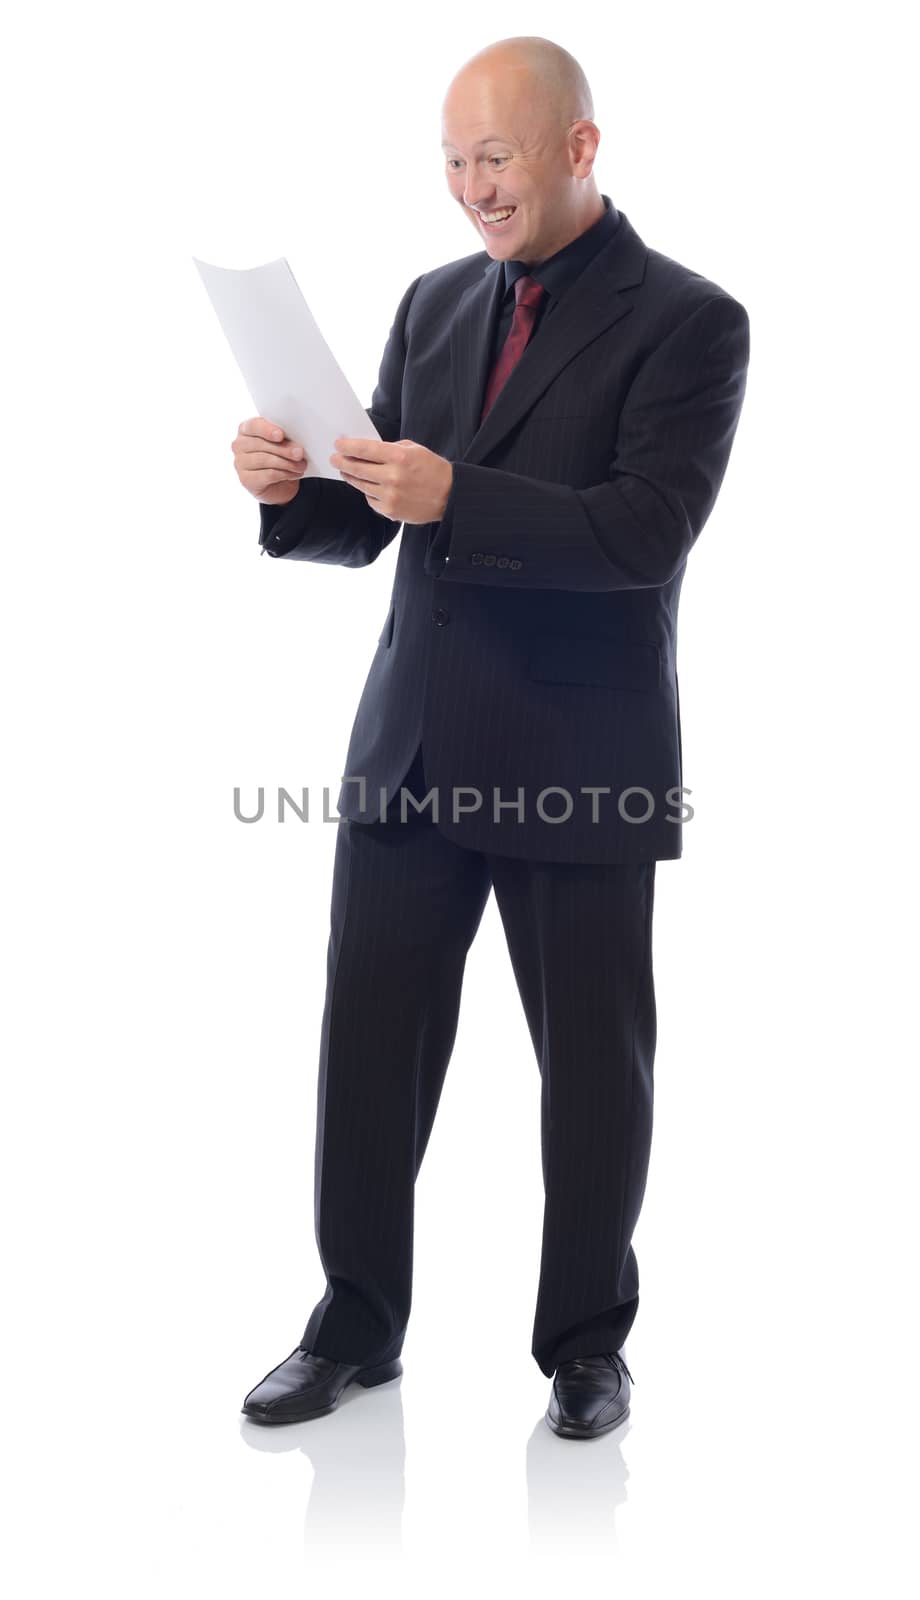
(504, 153)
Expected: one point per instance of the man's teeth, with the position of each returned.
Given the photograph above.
(497, 216)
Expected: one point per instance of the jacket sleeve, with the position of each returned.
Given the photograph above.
(332, 521)
(634, 530)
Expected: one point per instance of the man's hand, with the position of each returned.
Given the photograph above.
(268, 463)
(403, 481)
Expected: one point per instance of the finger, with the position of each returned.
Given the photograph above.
(370, 471)
(264, 461)
(262, 428)
(266, 478)
(364, 449)
(283, 470)
(361, 483)
(247, 445)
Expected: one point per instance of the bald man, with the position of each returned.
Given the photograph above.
(556, 412)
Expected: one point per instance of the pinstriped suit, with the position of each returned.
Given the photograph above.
(529, 647)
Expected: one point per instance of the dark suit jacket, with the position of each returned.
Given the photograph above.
(531, 638)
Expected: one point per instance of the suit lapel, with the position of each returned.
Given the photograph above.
(599, 297)
(471, 333)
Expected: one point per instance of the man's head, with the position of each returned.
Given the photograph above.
(517, 131)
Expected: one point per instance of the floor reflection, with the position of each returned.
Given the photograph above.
(574, 1487)
(358, 1493)
(358, 1455)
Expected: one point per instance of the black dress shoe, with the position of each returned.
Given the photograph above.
(590, 1395)
(305, 1385)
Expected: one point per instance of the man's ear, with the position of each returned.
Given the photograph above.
(585, 136)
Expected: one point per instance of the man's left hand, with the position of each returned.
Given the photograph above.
(403, 481)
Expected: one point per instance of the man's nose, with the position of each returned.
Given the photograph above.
(476, 189)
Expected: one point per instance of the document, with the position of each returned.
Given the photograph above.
(288, 368)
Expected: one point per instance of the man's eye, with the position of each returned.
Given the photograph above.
(453, 161)
(500, 159)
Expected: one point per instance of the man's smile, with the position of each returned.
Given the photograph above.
(495, 220)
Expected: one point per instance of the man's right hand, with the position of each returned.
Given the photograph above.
(268, 463)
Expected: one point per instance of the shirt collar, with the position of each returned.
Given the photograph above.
(558, 272)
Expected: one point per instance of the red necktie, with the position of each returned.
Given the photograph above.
(527, 294)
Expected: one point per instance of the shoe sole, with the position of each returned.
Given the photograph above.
(368, 1377)
(572, 1430)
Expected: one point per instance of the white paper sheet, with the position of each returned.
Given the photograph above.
(289, 370)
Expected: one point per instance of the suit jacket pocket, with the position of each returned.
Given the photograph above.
(594, 659)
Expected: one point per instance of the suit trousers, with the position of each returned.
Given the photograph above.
(406, 905)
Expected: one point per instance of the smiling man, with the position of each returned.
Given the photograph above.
(556, 413)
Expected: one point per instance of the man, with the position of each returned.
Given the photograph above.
(556, 414)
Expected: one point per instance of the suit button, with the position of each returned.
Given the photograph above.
(440, 616)
(488, 560)
(515, 565)
(502, 561)
(476, 557)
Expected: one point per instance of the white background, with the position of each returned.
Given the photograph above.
(165, 964)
